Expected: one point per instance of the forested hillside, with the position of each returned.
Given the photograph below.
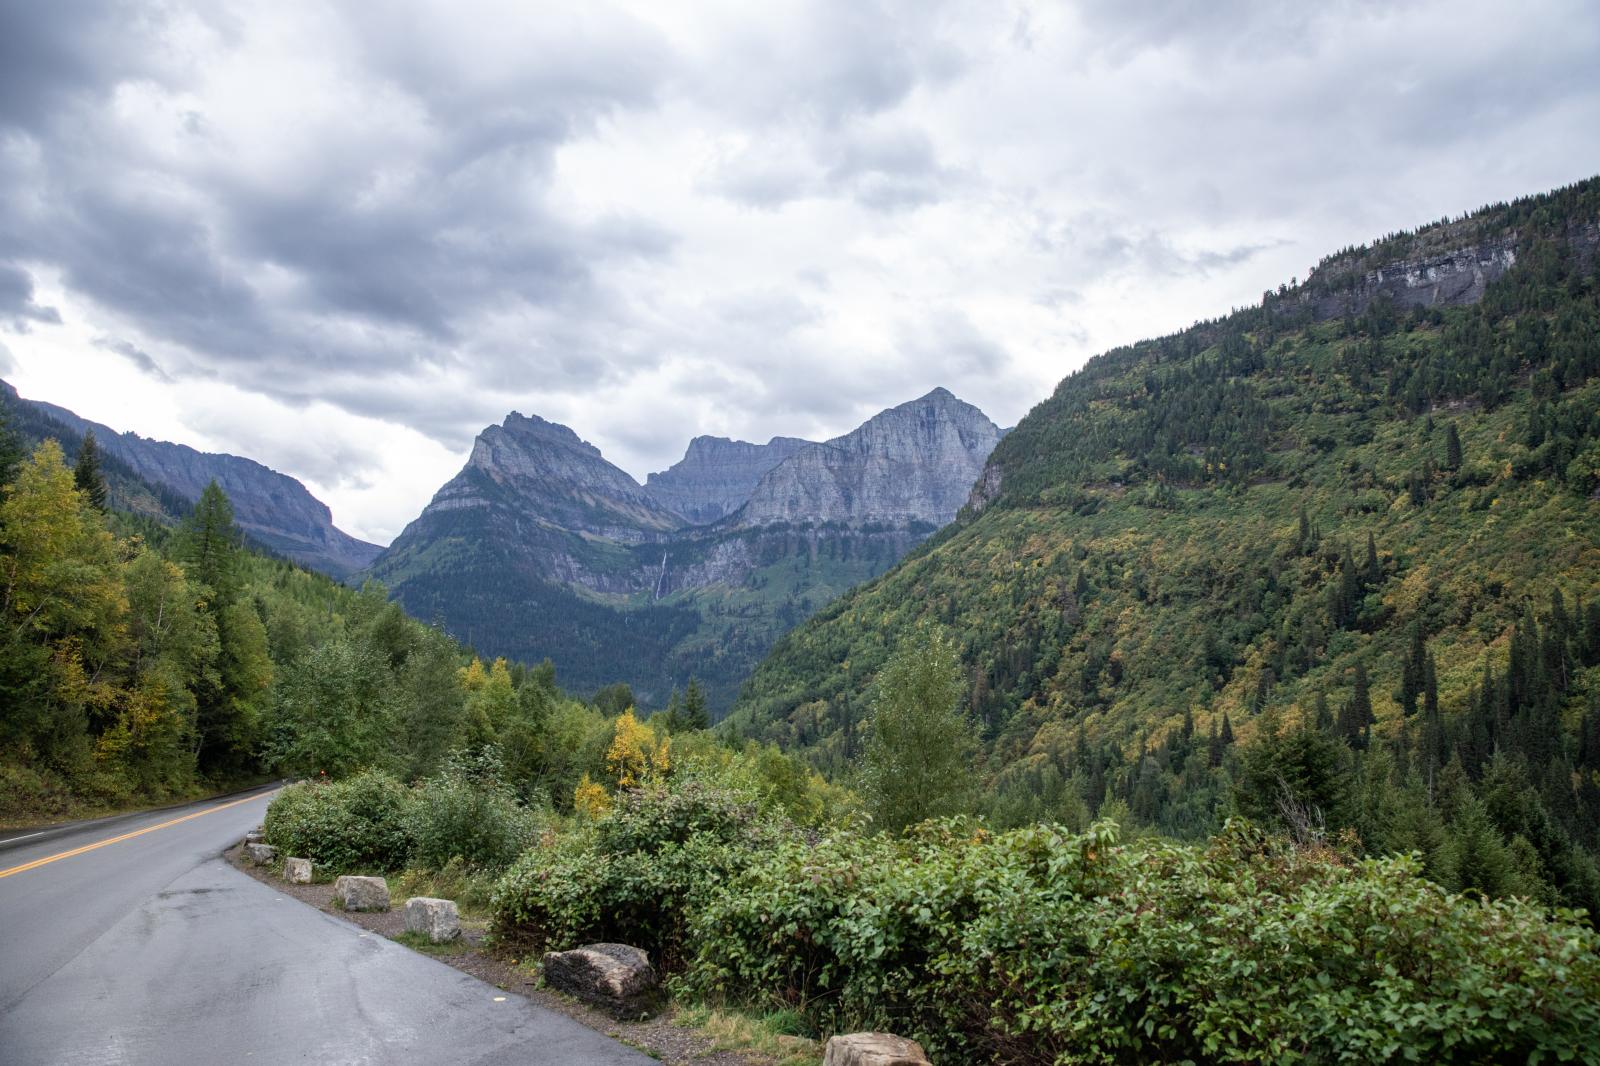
(1332, 562)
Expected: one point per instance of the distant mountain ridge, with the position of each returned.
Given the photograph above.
(717, 475)
(541, 547)
(274, 509)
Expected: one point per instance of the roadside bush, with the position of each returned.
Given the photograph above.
(1039, 946)
(468, 813)
(636, 875)
(361, 823)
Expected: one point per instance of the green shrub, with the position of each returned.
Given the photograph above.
(467, 812)
(361, 823)
(1037, 946)
(635, 876)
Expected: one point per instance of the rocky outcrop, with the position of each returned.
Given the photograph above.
(436, 919)
(912, 463)
(717, 475)
(873, 1049)
(1447, 265)
(614, 977)
(274, 509)
(361, 893)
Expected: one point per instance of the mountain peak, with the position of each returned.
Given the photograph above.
(914, 463)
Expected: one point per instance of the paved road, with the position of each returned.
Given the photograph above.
(154, 950)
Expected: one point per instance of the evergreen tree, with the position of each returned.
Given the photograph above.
(1452, 448)
(208, 544)
(1355, 718)
(1413, 673)
(87, 475)
(695, 715)
(11, 451)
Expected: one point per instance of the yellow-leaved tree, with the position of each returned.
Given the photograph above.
(637, 754)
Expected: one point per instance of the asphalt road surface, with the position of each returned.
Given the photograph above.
(133, 941)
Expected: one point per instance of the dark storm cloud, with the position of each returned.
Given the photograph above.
(375, 256)
(16, 299)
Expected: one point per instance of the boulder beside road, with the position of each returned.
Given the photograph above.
(873, 1049)
(297, 871)
(436, 919)
(616, 978)
(361, 893)
(260, 854)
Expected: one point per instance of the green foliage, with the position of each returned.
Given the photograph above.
(361, 823)
(87, 475)
(919, 751)
(635, 876)
(468, 814)
(1041, 946)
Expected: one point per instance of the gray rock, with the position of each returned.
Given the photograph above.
(614, 977)
(254, 837)
(361, 893)
(297, 871)
(912, 463)
(717, 475)
(260, 854)
(435, 919)
(873, 1049)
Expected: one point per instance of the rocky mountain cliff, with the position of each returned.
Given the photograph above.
(716, 475)
(540, 547)
(274, 509)
(912, 463)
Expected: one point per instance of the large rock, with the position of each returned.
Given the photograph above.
(255, 836)
(297, 871)
(260, 854)
(361, 893)
(614, 977)
(873, 1049)
(435, 919)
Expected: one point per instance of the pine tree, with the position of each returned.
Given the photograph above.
(1452, 448)
(11, 452)
(208, 543)
(1412, 673)
(695, 715)
(1355, 719)
(1227, 730)
(1372, 574)
(87, 475)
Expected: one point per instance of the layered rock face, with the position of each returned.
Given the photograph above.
(717, 475)
(912, 463)
(274, 509)
(546, 472)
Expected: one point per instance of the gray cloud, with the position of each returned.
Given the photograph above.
(658, 220)
(17, 302)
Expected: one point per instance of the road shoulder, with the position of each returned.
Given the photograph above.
(659, 1037)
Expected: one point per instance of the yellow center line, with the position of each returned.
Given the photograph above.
(25, 867)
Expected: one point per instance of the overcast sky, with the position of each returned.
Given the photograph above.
(341, 238)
